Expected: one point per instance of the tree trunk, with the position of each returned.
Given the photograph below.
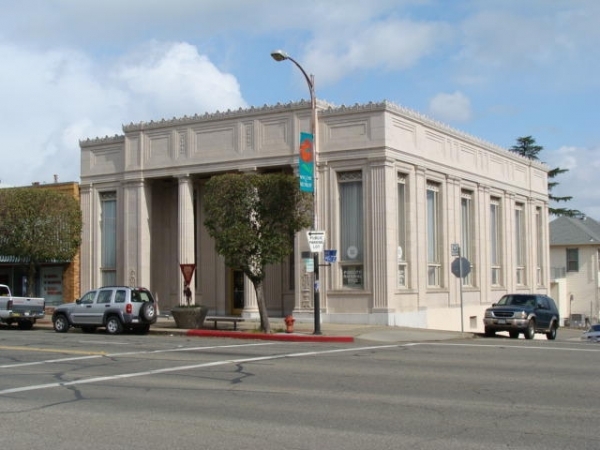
(262, 307)
(30, 279)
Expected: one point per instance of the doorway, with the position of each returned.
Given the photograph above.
(236, 292)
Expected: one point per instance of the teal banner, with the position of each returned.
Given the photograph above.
(307, 162)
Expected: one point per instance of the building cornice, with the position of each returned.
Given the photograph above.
(325, 109)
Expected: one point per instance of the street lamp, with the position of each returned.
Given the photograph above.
(280, 55)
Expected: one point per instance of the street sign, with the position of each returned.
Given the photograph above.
(187, 270)
(330, 256)
(316, 240)
(461, 267)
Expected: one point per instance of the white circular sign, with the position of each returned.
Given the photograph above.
(352, 252)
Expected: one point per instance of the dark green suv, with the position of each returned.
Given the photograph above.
(523, 313)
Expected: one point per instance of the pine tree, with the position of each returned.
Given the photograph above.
(527, 147)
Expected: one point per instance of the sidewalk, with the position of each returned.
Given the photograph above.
(303, 331)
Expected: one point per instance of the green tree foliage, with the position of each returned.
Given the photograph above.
(38, 225)
(527, 147)
(253, 219)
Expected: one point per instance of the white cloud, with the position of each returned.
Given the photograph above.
(451, 108)
(392, 44)
(62, 96)
(174, 80)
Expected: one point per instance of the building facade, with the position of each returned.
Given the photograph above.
(395, 191)
(575, 268)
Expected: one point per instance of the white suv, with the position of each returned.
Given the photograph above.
(115, 307)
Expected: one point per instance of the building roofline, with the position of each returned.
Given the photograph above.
(325, 109)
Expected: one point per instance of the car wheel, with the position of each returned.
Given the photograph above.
(61, 324)
(551, 335)
(148, 311)
(114, 325)
(530, 330)
(88, 329)
(513, 334)
(489, 332)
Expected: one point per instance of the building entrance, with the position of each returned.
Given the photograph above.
(236, 292)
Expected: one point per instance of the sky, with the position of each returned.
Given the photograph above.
(495, 69)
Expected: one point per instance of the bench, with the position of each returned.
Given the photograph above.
(232, 319)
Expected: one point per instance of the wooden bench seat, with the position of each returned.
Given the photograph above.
(232, 319)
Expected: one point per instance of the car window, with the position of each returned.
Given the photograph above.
(522, 300)
(140, 296)
(88, 298)
(120, 296)
(104, 296)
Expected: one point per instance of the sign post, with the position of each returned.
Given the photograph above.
(461, 267)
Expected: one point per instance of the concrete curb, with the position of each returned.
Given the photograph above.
(288, 337)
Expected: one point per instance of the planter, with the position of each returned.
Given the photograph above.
(189, 317)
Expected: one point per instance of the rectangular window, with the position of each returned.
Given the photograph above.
(351, 229)
(540, 248)
(402, 220)
(572, 260)
(495, 242)
(433, 236)
(467, 233)
(108, 238)
(520, 243)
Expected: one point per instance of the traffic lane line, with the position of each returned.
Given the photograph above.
(124, 376)
(92, 355)
(151, 372)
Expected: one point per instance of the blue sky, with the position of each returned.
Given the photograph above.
(496, 69)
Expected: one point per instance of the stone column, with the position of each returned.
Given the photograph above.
(86, 280)
(186, 242)
(383, 229)
(137, 234)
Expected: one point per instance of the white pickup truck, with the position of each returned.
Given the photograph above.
(23, 311)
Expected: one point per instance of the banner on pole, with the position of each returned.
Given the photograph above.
(307, 162)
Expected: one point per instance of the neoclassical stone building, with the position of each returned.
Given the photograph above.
(395, 191)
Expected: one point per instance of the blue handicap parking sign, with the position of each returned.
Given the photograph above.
(330, 256)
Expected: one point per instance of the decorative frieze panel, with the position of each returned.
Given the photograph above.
(468, 157)
(520, 173)
(275, 135)
(105, 160)
(348, 131)
(434, 145)
(215, 141)
(158, 148)
(497, 166)
(406, 134)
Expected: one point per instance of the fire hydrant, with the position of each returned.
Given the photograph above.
(289, 324)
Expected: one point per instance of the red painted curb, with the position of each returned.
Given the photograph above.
(270, 337)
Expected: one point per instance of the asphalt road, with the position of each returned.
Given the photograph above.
(81, 391)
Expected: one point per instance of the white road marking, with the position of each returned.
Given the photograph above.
(183, 368)
(93, 355)
(259, 358)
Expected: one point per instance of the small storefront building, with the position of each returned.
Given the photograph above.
(55, 281)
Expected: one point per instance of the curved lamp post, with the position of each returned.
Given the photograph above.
(280, 55)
